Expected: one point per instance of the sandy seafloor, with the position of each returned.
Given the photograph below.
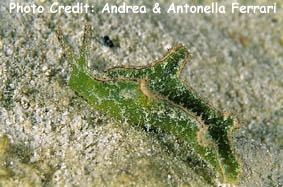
(236, 64)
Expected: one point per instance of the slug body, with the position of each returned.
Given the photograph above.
(155, 99)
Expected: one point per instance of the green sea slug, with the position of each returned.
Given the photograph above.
(154, 97)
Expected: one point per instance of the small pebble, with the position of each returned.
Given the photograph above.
(107, 41)
(44, 68)
(8, 51)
